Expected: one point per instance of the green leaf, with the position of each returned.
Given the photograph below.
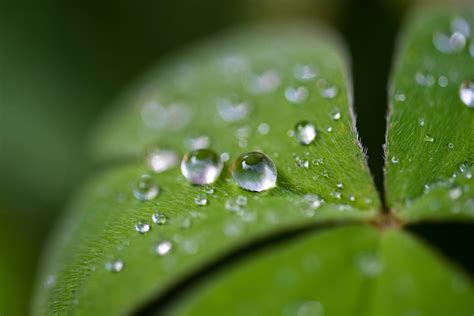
(344, 271)
(99, 226)
(430, 139)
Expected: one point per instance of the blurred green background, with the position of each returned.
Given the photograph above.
(61, 63)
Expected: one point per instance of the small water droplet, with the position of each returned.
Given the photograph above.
(327, 90)
(301, 162)
(400, 97)
(336, 115)
(201, 166)
(425, 80)
(339, 185)
(421, 121)
(305, 132)
(200, 200)
(428, 138)
(232, 112)
(254, 171)
(225, 156)
(314, 201)
(394, 160)
(263, 128)
(369, 265)
(163, 248)
(268, 81)
(142, 227)
(162, 160)
(455, 193)
(50, 281)
(457, 41)
(209, 190)
(441, 42)
(197, 142)
(145, 189)
(443, 81)
(450, 145)
(329, 129)
(115, 265)
(296, 95)
(159, 218)
(304, 72)
(352, 198)
(466, 93)
(336, 195)
(459, 24)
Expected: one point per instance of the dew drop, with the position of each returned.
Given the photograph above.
(336, 115)
(268, 81)
(450, 145)
(304, 72)
(425, 80)
(202, 166)
(457, 41)
(263, 128)
(455, 193)
(197, 142)
(162, 160)
(296, 95)
(369, 265)
(327, 90)
(458, 24)
(163, 248)
(254, 171)
(441, 42)
(159, 218)
(200, 200)
(443, 81)
(421, 121)
(466, 93)
(305, 132)
(114, 266)
(400, 97)
(145, 189)
(336, 195)
(225, 156)
(142, 227)
(394, 160)
(314, 201)
(428, 138)
(339, 185)
(232, 112)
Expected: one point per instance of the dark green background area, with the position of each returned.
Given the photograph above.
(61, 63)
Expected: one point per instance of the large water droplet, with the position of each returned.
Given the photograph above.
(296, 95)
(145, 189)
(201, 166)
(466, 93)
(142, 227)
(163, 248)
(162, 160)
(305, 132)
(114, 266)
(159, 218)
(254, 171)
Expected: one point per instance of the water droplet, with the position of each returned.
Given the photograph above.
(457, 41)
(163, 248)
(304, 72)
(50, 281)
(455, 193)
(443, 81)
(209, 190)
(305, 132)
(232, 112)
(425, 80)
(400, 97)
(263, 128)
(296, 95)
(268, 81)
(352, 198)
(197, 142)
(115, 265)
(336, 115)
(200, 200)
(441, 42)
(241, 200)
(301, 162)
(159, 218)
(394, 160)
(162, 160)
(327, 90)
(466, 93)
(428, 138)
(450, 145)
(458, 24)
(421, 121)
(336, 195)
(329, 129)
(310, 308)
(142, 227)
(201, 166)
(225, 156)
(369, 265)
(145, 189)
(314, 201)
(254, 171)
